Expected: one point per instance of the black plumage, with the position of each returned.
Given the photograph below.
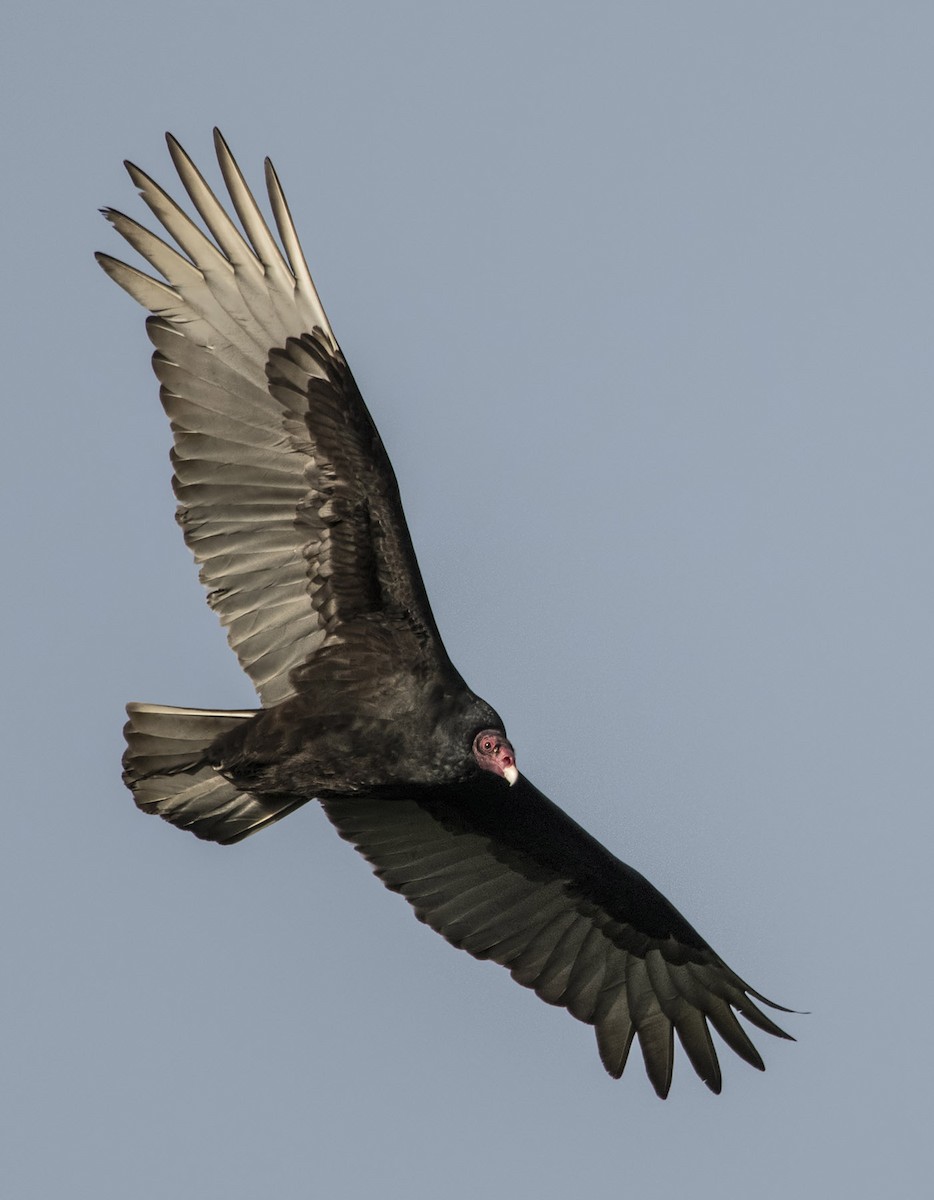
(290, 505)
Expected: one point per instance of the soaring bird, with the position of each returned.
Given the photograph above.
(289, 504)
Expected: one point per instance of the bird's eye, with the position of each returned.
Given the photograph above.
(487, 744)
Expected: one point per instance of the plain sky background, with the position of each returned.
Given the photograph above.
(640, 296)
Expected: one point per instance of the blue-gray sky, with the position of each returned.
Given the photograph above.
(640, 297)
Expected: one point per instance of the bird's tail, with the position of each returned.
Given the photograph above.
(167, 769)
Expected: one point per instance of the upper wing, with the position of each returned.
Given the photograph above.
(286, 494)
(512, 878)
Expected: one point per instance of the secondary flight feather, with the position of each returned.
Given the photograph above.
(289, 504)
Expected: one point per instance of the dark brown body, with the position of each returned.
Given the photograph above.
(290, 506)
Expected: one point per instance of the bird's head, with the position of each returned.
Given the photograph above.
(493, 752)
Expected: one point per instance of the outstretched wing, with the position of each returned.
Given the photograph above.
(512, 878)
(286, 495)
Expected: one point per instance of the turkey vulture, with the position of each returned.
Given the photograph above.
(289, 503)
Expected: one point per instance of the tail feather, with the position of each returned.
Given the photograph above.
(166, 768)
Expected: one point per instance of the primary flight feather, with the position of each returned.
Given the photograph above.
(289, 504)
